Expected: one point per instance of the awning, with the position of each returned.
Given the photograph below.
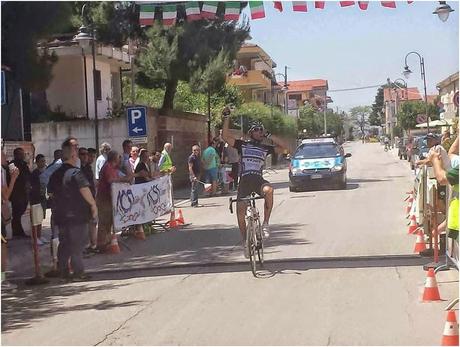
(436, 123)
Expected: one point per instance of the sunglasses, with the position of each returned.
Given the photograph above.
(258, 129)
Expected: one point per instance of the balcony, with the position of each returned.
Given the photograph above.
(252, 79)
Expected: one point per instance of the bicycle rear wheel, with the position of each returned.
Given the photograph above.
(260, 242)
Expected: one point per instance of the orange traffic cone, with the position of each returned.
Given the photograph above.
(140, 235)
(413, 225)
(114, 248)
(450, 335)
(409, 205)
(419, 243)
(180, 220)
(173, 223)
(431, 292)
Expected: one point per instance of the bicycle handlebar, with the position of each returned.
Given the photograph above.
(252, 198)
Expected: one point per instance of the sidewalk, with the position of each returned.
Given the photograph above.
(20, 254)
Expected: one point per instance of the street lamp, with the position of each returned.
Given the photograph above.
(327, 99)
(443, 11)
(85, 37)
(284, 88)
(407, 73)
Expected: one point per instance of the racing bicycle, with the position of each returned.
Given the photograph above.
(254, 235)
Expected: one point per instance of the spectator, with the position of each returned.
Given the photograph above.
(75, 207)
(142, 168)
(166, 164)
(154, 164)
(91, 155)
(194, 169)
(125, 164)
(12, 173)
(108, 175)
(87, 171)
(38, 194)
(232, 157)
(134, 157)
(211, 163)
(100, 161)
(20, 195)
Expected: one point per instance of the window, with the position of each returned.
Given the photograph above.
(97, 85)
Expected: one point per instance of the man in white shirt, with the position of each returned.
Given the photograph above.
(100, 161)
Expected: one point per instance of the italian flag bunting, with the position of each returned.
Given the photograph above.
(319, 4)
(299, 6)
(388, 4)
(209, 9)
(278, 5)
(363, 5)
(192, 10)
(346, 3)
(257, 9)
(169, 15)
(147, 14)
(232, 10)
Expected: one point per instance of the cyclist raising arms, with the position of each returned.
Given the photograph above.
(252, 159)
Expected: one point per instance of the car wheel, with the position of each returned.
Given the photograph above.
(292, 189)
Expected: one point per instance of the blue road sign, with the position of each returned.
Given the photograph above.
(3, 86)
(137, 121)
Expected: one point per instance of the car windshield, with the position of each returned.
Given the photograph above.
(316, 151)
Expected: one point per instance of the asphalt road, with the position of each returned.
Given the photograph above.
(340, 271)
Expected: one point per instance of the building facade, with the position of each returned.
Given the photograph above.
(448, 91)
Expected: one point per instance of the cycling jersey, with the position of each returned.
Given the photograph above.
(252, 156)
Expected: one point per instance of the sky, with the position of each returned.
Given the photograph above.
(354, 48)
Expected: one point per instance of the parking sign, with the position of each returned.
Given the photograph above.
(137, 121)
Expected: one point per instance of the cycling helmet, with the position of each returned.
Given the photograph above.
(255, 125)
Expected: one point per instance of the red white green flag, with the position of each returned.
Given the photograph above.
(169, 15)
(299, 6)
(209, 9)
(278, 5)
(257, 9)
(192, 10)
(389, 4)
(147, 14)
(319, 4)
(363, 5)
(346, 3)
(232, 10)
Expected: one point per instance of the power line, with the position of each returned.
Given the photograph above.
(348, 89)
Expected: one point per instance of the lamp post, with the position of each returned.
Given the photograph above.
(85, 37)
(327, 99)
(284, 88)
(443, 11)
(407, 73)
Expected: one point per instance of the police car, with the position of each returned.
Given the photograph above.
(316, 162)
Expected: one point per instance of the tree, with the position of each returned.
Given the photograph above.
(375, 118)
(178, 53)
(360, 115)
(407, 116)
(23, 25)
(312, 122)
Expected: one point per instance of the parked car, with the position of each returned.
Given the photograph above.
(402, 148)
(420, 149)
(316, 162)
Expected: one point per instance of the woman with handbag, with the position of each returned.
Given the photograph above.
(13, 172)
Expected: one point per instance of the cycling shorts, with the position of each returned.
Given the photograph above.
(251, 184)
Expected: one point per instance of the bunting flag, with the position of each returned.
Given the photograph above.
(232, 10)
(363, 5)
(147, 14)
(209, 9)
(319, 4)
(299, 6)
(346, 3)
(410, 2)
(388, 4)
(169, 15)
(278, 5)
(257, 9)
(192, 10)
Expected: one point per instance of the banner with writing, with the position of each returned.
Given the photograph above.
(140, 203)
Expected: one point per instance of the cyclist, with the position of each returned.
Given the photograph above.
(252, 159)
(386, 141)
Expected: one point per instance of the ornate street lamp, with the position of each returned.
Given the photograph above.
(407, 73)
(443, 11)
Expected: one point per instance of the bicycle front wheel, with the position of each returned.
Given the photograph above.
(251, 244)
